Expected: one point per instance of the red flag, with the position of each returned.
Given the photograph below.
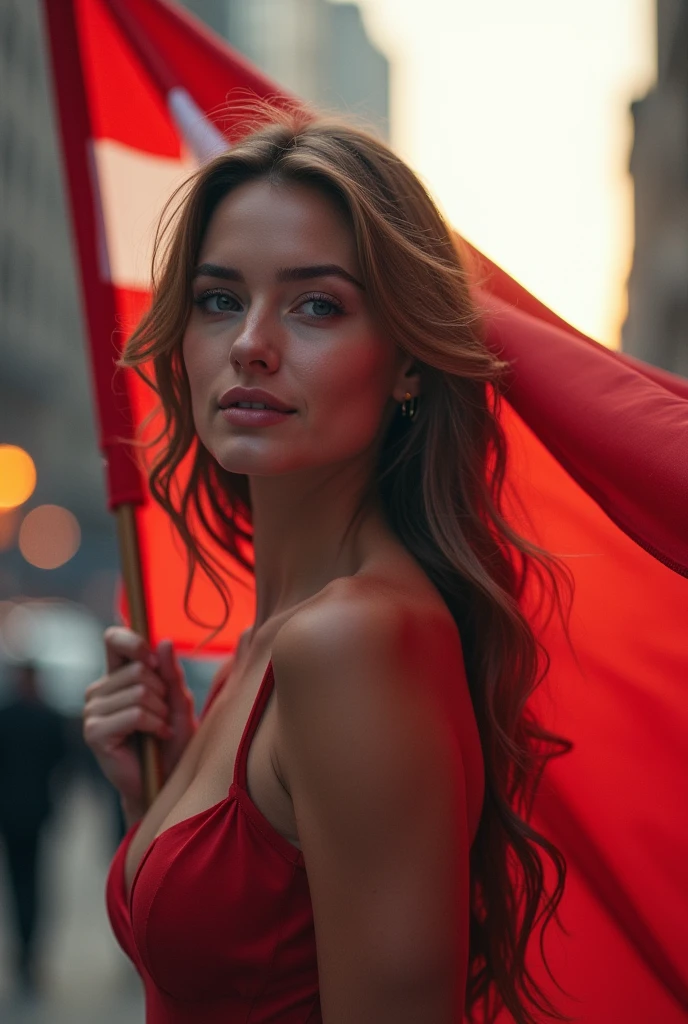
(598, 460)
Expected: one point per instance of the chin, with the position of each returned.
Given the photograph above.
(256, 455)
(251, 459)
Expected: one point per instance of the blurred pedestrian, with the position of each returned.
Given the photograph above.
(33, 744)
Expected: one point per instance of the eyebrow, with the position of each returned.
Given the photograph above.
(284, 274)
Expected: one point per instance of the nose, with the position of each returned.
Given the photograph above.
(256, 346)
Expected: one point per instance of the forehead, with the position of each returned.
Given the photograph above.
(280, 220)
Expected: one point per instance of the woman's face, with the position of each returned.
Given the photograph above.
(279, 308)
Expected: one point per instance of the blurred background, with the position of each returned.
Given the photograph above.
(555, 137)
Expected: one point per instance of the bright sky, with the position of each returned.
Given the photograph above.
(516, 114)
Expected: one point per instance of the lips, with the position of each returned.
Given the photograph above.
(253, 398)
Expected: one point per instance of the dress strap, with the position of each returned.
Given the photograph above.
(257, 710)
(217, 683)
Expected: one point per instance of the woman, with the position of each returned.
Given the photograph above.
(340, 837)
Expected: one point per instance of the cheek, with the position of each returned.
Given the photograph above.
(195, 357)
(200, 370)
(353, 387)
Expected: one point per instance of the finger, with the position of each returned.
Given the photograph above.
(102, 733)
(123, 645)
(172, 673)
(132, 696)
(130, 674)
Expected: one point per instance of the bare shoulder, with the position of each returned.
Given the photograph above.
(377, 780)
(372, 667)
(365, 663)
(368, 624)
(370, 650)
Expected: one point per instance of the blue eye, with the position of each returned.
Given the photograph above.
(216, 302)
(321, 307)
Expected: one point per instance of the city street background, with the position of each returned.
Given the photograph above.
(85, 978)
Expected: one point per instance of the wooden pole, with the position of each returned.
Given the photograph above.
(149, 750)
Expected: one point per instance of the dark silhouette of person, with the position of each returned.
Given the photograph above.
(33, 744)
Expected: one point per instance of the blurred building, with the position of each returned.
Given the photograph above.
(316, 49)
(45, 402)
(656, 328)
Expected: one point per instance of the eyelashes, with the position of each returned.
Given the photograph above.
(233, 305)
(323, 300)
(214, 293)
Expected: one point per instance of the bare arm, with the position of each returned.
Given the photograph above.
(378, 789)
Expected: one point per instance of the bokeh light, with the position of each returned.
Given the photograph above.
(17, 476)
(61, 638)
(49, 536)
(15, 628)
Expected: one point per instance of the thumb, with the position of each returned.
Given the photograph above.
(172, 674)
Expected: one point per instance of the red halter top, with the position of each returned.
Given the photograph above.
(219, 921)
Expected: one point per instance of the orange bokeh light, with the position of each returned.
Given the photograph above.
(17, 476)
(49, 536)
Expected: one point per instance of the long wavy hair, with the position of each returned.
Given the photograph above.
(441, 479)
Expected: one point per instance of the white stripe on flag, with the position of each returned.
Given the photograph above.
(200, 134)
(134, 187)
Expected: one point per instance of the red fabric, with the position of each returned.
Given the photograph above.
(497, 283)
(619, 434)
(177, 49)
(75, 110)
(616, 805)
(219, 920)
(598, 461)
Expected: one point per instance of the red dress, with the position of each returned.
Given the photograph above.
(219, 921)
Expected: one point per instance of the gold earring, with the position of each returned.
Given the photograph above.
(408, 406)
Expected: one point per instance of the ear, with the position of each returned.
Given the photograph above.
(407, 380)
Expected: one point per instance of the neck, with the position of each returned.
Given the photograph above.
(303, 534)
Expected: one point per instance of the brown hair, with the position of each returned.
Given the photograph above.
(441, 480)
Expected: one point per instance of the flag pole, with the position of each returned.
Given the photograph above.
(130, 559)
(125, 485)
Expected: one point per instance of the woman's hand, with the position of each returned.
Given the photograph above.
(143, 691)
